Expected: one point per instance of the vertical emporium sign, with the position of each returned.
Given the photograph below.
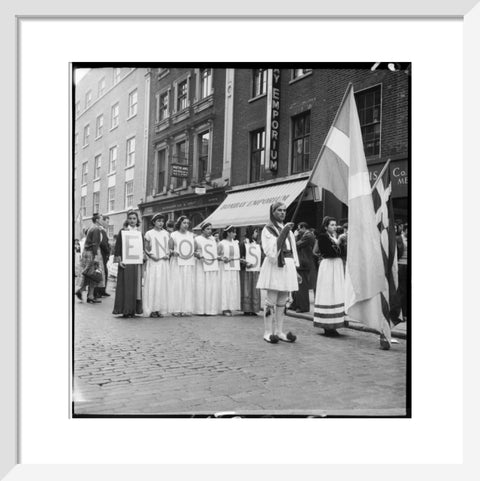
(273, 119)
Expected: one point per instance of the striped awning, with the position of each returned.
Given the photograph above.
(251, 207)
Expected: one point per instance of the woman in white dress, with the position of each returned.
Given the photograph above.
(155, 290)
(330, 293)
(278, 275)
(182, 269)
(207, 277)
(229, 251)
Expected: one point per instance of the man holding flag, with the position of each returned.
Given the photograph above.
(341, 168)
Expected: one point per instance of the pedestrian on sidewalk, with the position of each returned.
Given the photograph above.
(155, 290)
(128, 293)
(182, 269)
(207, 276)
(305, 241)
(105, 253)
(91, 253)
(329, 311)
(229, 251)
(402, 255)
(249, 294)
(278, 275)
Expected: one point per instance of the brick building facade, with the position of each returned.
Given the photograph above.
(188, 125)
(109, 144)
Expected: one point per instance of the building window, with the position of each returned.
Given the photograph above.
(86, 134)
(259, 81)
(115, 113)
(76, 142)
(180, 157)
(369, 111)
(203, 149)
(182, 95)
(161, 170)
(110, 231)
(132, 103)
(129, 194)
(301, 143)
(111, 199)
(116, 75)
(83, 206)
(96, 202)
(205, 82)
(84, 173)
(97, 165)
(300, 72)
(88, 99)
(101, 86)
(77, 108)
(162, 106)
(257, 155)
(130, 152)
(112, 159)
(99, 126)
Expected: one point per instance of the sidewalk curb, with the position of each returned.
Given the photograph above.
(356, 326)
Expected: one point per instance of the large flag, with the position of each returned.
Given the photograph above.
(382, 202)
(341, 168)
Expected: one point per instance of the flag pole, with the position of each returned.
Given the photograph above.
(385, 167)
(302, 195)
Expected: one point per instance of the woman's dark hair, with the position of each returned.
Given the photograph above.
(132, 212)
(302, 225)
(249, 233)
(326, 220)
(170, 224)
(227, 230)
(179, 221)
(95, 217)
(204, 226)
(156, 217)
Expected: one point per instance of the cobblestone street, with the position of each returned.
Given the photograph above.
(206, 365)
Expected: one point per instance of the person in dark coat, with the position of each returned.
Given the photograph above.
(305, 241)
(128, 294)
(105, 251)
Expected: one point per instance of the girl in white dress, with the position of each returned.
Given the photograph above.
(155, 290)
(182, 269)
(278, 275)
(229, 251)
(207, 278)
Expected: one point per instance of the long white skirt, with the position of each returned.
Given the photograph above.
(155, 289)
(330, 295)
(207, 291)
(278, 278)
(230, 289)
(181, 287)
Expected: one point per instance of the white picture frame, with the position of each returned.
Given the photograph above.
(11, 464)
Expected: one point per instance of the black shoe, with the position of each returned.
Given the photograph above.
(105, 294)
(93, 301)
(289, 338)
(79, 295)
(273, 339)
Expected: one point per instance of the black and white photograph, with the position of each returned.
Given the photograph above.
(240, 240)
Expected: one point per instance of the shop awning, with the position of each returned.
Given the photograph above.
(251, 207)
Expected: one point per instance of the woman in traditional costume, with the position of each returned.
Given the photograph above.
(182, 269)
(229, 251)
(128, 294)
(155, 290)
(278, 275)
(330, 293)
(207, 277)
(250, 250)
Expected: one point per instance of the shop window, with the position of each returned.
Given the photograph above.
(301, 143)
(369, 113)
